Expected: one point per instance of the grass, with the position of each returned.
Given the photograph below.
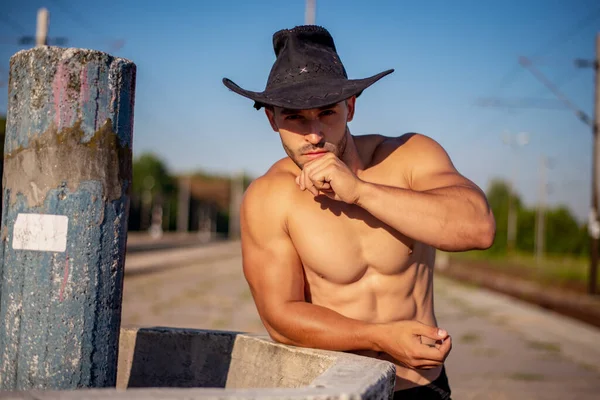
(557, 269)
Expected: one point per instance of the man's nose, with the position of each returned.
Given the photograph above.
(314, 135)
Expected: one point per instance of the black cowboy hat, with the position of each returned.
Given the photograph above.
(307, 72)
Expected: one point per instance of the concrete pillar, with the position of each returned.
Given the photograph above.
(183, 207)
(235, 203)
(67, 174)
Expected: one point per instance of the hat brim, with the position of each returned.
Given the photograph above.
(315, 93)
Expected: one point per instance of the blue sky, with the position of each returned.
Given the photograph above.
(447, 55)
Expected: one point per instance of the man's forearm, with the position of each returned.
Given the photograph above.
(309, 325)
(452, 219)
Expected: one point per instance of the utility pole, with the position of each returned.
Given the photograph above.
(540, 231)
(309, 13)
(63, 255)
(594, 223)
(183, 207)
(38, 40)
(594, 217)
(521, 139)
(235, 202)
(41, 31)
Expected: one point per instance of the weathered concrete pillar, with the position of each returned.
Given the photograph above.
(236, 191)
(67, 173)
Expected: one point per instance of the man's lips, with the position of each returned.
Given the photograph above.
(315, 153)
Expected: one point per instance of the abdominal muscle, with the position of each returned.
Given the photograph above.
(381, 298)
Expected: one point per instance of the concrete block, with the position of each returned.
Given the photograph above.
(167, 363)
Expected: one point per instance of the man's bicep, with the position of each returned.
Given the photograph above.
(272, 270)
(271, 264)
(432, 167)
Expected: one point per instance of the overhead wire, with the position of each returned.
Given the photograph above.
(557, 40)
(548, 46)
(76, 17)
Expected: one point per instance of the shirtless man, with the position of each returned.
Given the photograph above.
(339, 238)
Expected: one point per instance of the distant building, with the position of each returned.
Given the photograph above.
(205, 204)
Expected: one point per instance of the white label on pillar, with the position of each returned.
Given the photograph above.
(40, 232)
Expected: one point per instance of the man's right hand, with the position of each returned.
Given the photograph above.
(403, 341)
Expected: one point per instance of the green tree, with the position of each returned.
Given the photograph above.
(152, 183)
(498, 195)
(562, 232)
(150, 174)
(526, 230)
(583, 244)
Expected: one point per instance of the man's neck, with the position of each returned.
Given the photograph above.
(351, 157)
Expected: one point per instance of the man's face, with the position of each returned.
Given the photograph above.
(308, 134)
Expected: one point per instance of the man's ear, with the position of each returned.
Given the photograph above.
(271, 117)
(350, 105)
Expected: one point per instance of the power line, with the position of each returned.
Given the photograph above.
(580, 114)
(564, 79)
(515, 106)
(73, 15)
(548, 46)
(76, 17)
(520, 102)
(533, 102)
(18, 29)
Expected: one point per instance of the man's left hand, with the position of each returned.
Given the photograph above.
(329, 176)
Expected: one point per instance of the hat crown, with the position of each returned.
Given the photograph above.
(307, 72)
(303, 53)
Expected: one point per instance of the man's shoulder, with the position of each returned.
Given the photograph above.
(272, 189)
(408, 146)
(406, 141)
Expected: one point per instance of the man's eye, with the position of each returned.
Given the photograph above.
(292, 117)
(328, 112)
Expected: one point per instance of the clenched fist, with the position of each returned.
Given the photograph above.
(329, 176)
(403, 340)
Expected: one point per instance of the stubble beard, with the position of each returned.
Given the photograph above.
(337, 149)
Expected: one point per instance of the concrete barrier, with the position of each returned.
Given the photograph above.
(168, 363)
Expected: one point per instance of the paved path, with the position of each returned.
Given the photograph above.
(200, 288)
(503, 349)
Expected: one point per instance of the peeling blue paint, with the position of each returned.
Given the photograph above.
(19, 128)
(70, 312)
(60, 312)
(125, 100)
(96, 75)
(30, 88)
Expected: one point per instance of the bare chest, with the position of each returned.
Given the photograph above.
(342, 243)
